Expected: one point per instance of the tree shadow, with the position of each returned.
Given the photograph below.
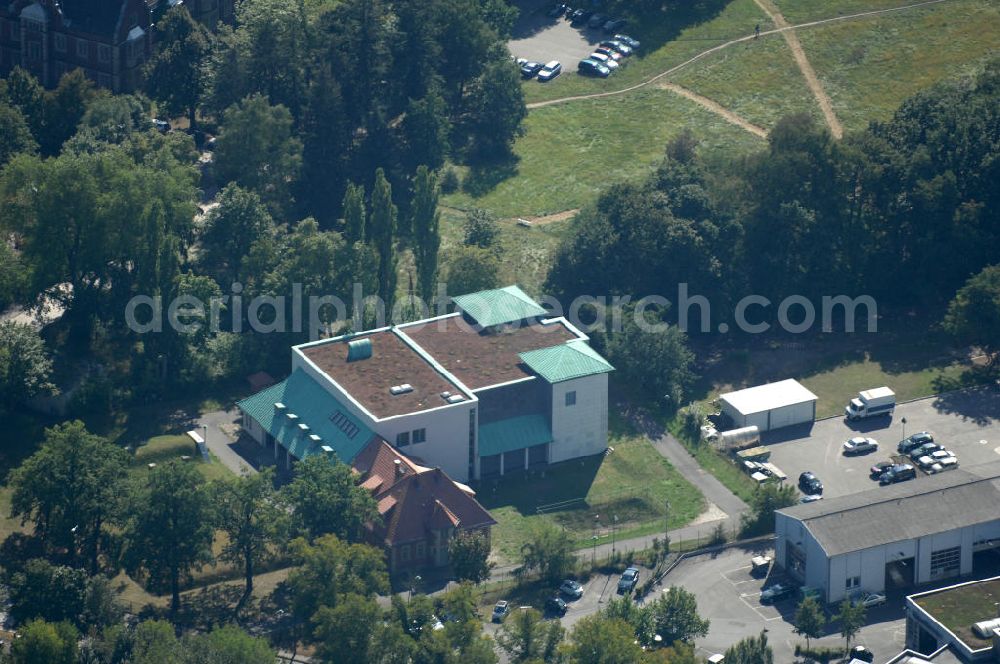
(484, 175)
(980, 405)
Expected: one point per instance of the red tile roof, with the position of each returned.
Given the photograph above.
(413, 499)
(392, 363)
(482, 359)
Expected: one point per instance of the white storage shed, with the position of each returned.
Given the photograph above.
(770, 406)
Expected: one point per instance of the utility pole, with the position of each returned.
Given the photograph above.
(593, 553)
(903, 422)
(614, 522)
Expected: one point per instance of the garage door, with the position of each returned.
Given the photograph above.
(789, 415)
(756, 419)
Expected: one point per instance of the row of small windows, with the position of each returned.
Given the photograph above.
(419, 551)
(414, 437)
(344, 424)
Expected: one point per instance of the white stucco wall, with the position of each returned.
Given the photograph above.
(447, 444)
(580, 429)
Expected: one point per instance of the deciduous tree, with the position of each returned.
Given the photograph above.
(810, 621)
(171, 527)
(175, 75)
(324, 498)
(675, 616)
(974, 314)
(70, 489)
(469, 554)
(851, 617)
(426, 222)
(252, 519)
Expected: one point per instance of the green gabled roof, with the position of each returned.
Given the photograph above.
(499, 306)
(315, 407)
(574, 359)
(514, 433)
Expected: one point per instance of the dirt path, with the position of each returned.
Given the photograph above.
(715, 49)
(805, 67)
(716, 108)
(550, 218)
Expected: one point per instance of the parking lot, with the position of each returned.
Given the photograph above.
(967, 423)
(730, 597)
(540, 38)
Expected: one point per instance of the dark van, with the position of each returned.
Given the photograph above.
(899, 473)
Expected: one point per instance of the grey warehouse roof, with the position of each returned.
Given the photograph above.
(898, 512)
(768, 397)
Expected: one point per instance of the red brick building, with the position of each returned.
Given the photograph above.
(422, 508)
(110, 40)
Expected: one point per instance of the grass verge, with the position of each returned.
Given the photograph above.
(634, 483)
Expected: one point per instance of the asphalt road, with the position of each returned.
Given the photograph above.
(968, 423)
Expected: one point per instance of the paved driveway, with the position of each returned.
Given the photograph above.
(968, 423)
(730, 598)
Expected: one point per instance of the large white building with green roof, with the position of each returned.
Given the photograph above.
(496, 387)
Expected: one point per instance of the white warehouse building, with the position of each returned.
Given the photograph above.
(892, 538)
(770, 406)
(496, 387)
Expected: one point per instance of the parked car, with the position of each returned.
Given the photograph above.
(550, 71)
(924, 450)
(501, 611)
(880, 468)
(556, 605)
(898, 473)
(633, 44)
(610, 63)
(868, 599)
(620, 47)
(591, 67)
(810, 484)
(596, 21)
(950, 463)
(571, 588)
(810, 498)
(628, 581)
(914, 441)
(860, 445)
(530, 68)
(611, 53)
(558, 10)
(929, 460)
(614, 24)
(862, 654)
(161, 126)
(774, 593)
(581, 16)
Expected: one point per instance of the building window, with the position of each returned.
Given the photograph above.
(344, 424)
(421, 550)
(404, 553)
(81, 49)
(104, 53)
(419, 436)
(35, 51)
(60, 43)
(402, 439)
(853, 582)
(946, 562)
(571, 398)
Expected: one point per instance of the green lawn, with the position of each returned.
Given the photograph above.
(804, 11)
(868, 67)
(634, 483)
(758, 80)
(165, 448)
(569, 153)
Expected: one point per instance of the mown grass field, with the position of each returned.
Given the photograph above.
(634, 483)
(869, 67)
(569, 153)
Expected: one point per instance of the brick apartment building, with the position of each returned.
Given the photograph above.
(110, 40)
